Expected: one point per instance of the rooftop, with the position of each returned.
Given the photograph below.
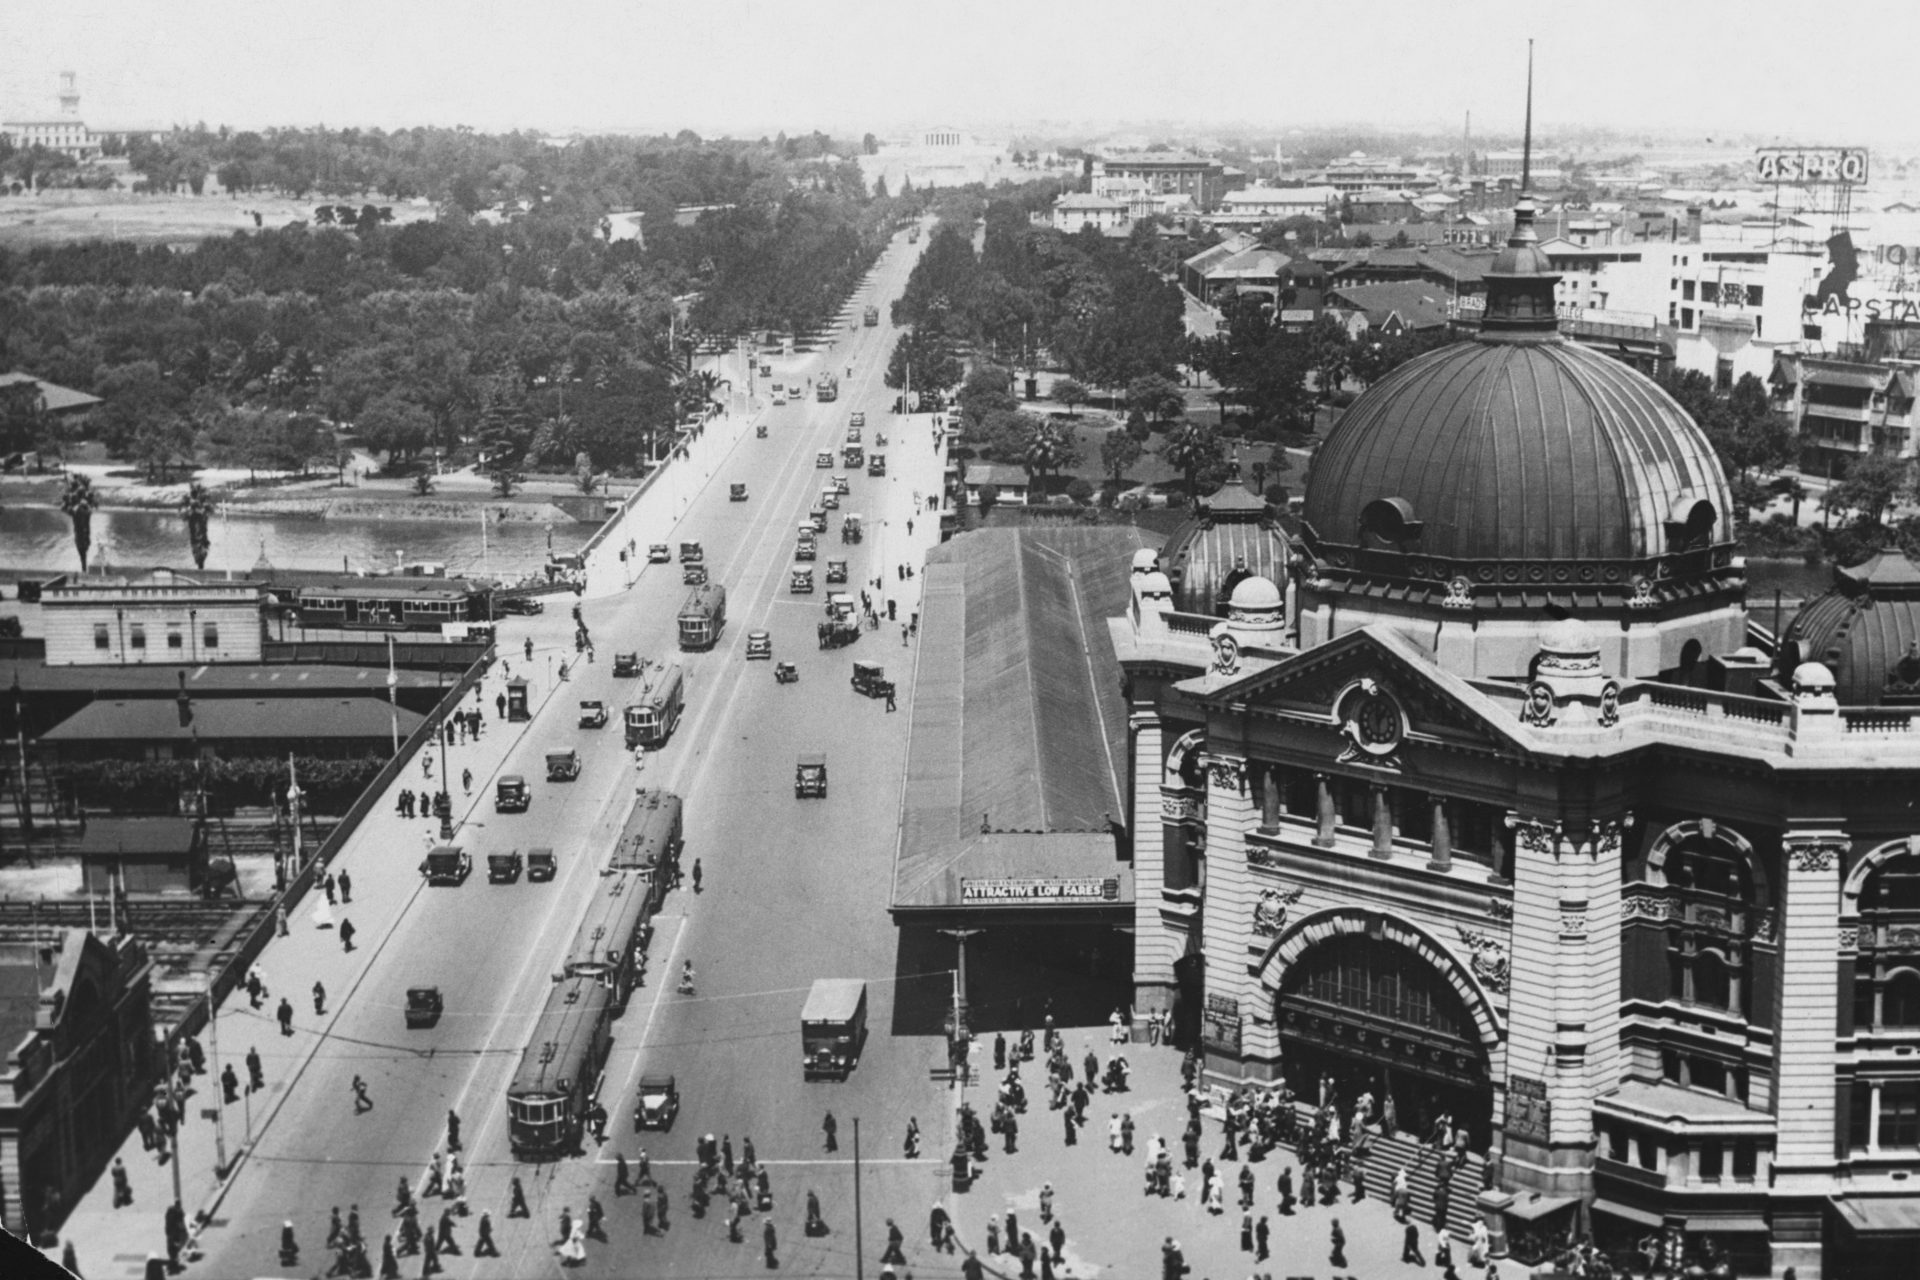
(1019, 733)
(1418, 304)
(59, 399)
(232, 719)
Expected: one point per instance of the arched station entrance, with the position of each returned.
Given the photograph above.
(1364, 1011)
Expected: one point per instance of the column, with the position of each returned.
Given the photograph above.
(1442, 858)
(1269, 799)
(1382, 823)
(1873, 1118)
(1155, 945)
(1806, 991)
(1231, 992)
(1325, 817)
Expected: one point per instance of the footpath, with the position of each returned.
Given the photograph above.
(1114, 1229)
(115, 1242)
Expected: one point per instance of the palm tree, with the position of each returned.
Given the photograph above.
(197, 506)
(1045, 454)
(78, 502)
(1192, 450)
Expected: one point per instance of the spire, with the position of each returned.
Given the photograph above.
(1526, 137)
(1520, 281)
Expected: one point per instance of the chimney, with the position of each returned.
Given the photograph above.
(184, 703)
(1693, 224)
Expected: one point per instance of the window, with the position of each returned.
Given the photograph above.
(173, 638)
(1709, 291)
(1708, 1165)
(1711, 983)
(101, 640)
(137, 635)
(1686, 290)
(1886, 989)
(1746, 1162)
(210, 636)
(1754, 295)
(1686, 317)
(1900, 1113)
(1617, 1145)
(1649, 1154)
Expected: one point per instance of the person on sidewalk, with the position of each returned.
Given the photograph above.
(122, 1186)
(402, 1198)
(1262, 1233)
(389, 1264)
(319, 1000)
(1410, 1246)
(353, 1225)
(346, 887)
(596, 1220)
(453, 1129)
(361, 1102)
(229, 1083)
(771, 1240)
(830, 1126)
(483, 1245)
(895, 1238)
(286, 1016)
(346, 934)
(517, 1200)
(446, 1243)
(1337, 1256)
(256, 1075)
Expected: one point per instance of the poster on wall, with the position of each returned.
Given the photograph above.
(1220, 1024)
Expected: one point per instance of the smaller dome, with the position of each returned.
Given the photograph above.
(1255, 592)
(1153, 583)
(1146, 560)
(1570, 636)
(1812, 677)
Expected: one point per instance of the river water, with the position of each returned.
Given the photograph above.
(40, 538)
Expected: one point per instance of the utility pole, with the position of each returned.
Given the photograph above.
(393, 697)
(20, 737)
(960, 1033)
(293, 812)
(219, 1108)
(859, 1248)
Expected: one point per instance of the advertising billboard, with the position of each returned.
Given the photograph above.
(1813, 166)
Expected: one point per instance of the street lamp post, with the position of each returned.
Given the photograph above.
(446, 785)
(219, 1109)
(393, 695)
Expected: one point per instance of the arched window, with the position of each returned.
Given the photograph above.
(1886, 987)
(1712, 981)
(1900, 1001)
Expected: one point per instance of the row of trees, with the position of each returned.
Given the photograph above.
(1089, 302)
(537, 333)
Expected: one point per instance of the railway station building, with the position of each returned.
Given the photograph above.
(1494, 802)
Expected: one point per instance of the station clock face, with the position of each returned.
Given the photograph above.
(1378, 720)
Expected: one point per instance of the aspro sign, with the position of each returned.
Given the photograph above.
(1813, 166)
(1039, 889)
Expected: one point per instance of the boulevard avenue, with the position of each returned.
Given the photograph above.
(792, 891)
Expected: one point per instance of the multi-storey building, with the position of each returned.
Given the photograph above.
(1171, 173)
(162, 619)
(1494, 806)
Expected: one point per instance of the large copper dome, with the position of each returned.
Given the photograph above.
(1504, 450)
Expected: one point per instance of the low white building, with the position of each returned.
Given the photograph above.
(161, 619)
(1077, 211)
(1256, 205)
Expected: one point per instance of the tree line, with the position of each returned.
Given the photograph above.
(539, 333)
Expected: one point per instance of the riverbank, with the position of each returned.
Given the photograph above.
(325, 501)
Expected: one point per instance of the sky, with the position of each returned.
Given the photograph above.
(1832, 72)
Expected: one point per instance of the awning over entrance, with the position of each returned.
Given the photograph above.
(1627, 1213)
(1536, 1206)
(1887, 1215)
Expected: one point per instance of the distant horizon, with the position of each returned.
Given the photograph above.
(747, 68)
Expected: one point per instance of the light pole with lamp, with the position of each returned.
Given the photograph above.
(393, 695)
(446, 782)
(294, 796)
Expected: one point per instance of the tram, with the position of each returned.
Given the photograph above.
(651, 840)
(559, 1075)
(611, 944)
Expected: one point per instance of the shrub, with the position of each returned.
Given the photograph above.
(1080, 490)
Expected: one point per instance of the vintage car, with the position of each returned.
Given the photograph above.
(512, 795)
(877, 465)
(504, 868)
(424, 1007)
(692, 553)
(819, 517)
(540, 865)
(870, 678)
(659, 553)
(857, 419)
(840, 485)
(830, 498)
(563, 766)
(779, 394)
(836, 571)
(659, 1102)
(446, 864)
(766, 370)
(736, 493)
(785, 673)
(823, 459)
(800, 582)
(626, 664)
(759, 644)
(693, 575)
(853, 457)
(879, 439)
(761, 431)
(850, 527)
(593, 715)
(526, 606)
(810, 776)
(853, 435)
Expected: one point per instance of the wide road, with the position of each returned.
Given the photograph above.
(793, 890)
